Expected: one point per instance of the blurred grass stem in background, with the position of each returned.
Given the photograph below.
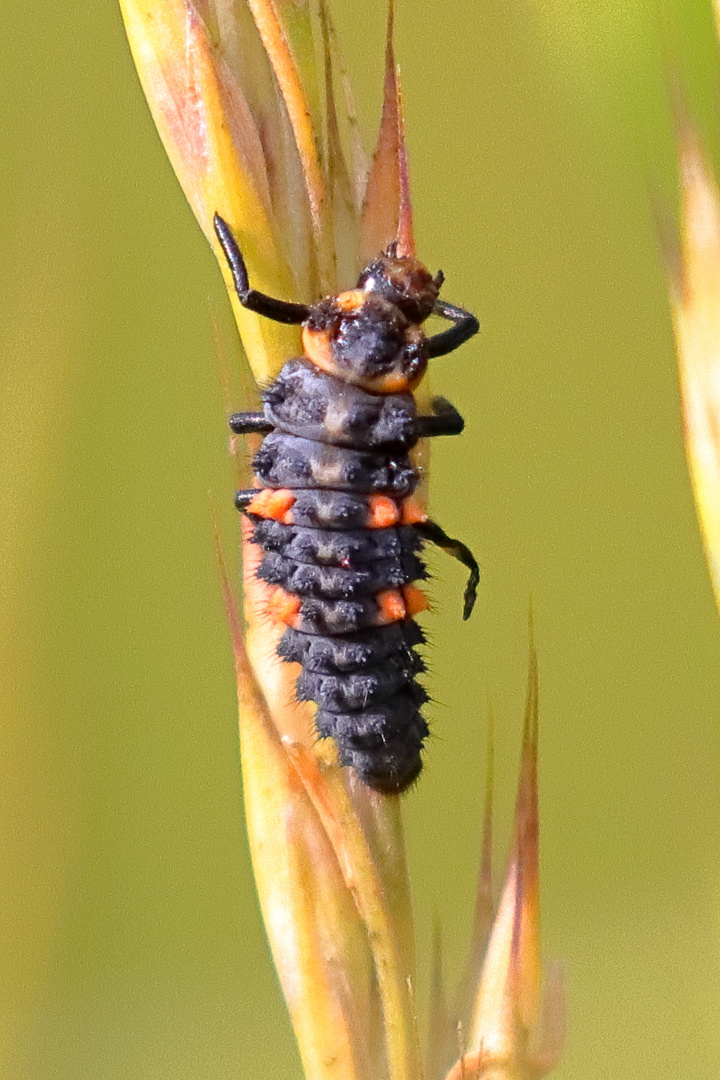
(696, 310)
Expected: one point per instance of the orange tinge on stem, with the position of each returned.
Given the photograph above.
(695, 294)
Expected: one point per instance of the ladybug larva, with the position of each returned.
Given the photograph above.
(333, 510)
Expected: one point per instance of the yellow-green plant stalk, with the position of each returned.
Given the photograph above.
(695, 294)
(243, 93)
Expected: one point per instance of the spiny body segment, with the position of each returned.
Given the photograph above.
(334, 512)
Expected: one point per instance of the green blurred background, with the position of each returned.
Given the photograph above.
(132, 946)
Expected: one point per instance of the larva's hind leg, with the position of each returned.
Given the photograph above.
(429, 530)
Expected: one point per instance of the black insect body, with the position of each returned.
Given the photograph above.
(334, 512)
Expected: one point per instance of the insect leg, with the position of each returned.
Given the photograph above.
(446, 420)
(279, 310)
(465, 326)
(432, 532)
(244, 498)
(250, 423)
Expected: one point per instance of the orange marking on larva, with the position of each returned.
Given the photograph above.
(415, 600)
(383, 512)
(391, 607)
(393, 383)
(318, 349)
(272, 503)
(351, 300)
(283, 606)
(412, 513)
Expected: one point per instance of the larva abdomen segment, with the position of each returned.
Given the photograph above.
(318, 508)
(288, 461)
(352, 652)
(338, 582)
(336, 548)
(383, 744)
(312, 615)
(358, 690)
(306, 402)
